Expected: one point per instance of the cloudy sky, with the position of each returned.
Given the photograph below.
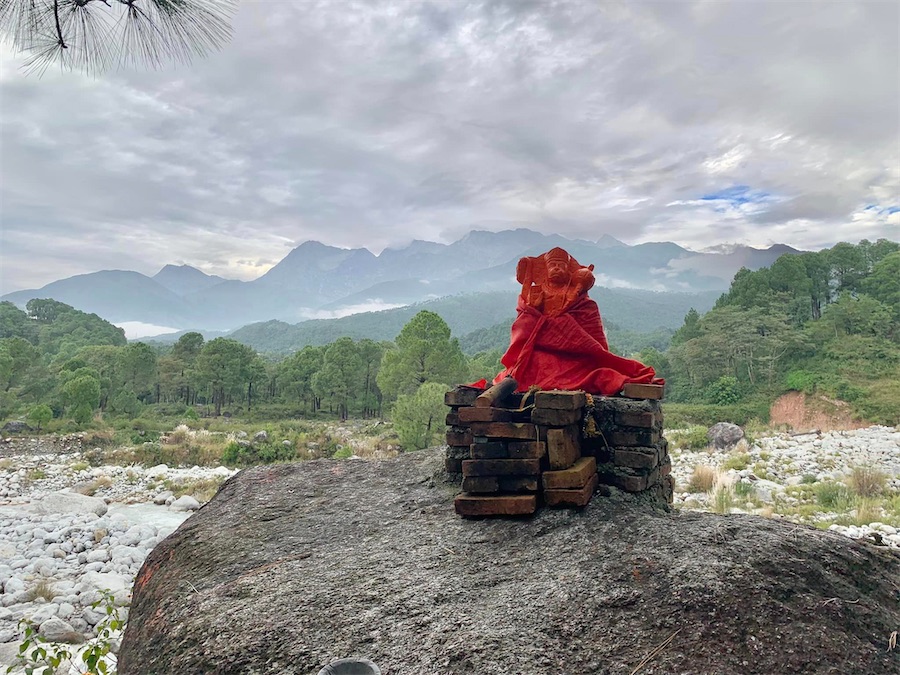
(375, 123)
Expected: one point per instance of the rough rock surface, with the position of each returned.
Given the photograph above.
(293, 566)
(724, 435)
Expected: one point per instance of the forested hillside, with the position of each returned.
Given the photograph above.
(826, 323)
(627, 312)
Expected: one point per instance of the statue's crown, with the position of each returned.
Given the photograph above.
(557, 254)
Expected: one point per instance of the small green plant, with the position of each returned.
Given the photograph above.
(867, 481)
(807, 479)
(744, 489)
(343, 453)
(722, 498)
(692, 438)
(35, 474)
(39, 656)
(833, 496)
(39, 415)
(79, 466)
(738, 461)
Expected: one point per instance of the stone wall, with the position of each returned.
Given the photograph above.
(555, 448)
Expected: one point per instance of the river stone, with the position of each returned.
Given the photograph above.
(368, 559)
(69, 503)
(185, 503)
(57, 630)
(724, 435)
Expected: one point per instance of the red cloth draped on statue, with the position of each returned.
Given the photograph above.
(568, 351)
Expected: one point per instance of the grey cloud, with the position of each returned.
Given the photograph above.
(371, 124)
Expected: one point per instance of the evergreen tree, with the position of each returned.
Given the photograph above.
(424, 352)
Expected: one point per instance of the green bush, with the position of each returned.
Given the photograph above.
(681, 415)
(39, 415)
(833, 496)
(692, 438)
(724, 391)
(737, 461)
(249, 454)
(419, 418)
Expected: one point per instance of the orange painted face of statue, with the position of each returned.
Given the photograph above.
(553, 281)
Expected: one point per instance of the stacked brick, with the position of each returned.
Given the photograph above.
(555, 451)
(628, 443)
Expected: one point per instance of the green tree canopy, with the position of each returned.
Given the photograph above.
(425, 352)
(419, 417)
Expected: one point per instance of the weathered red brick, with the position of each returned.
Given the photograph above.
(555, 418)
(461, 396)
(459, 437)
(556, 399)
(468, 504)
(575, 477)
(489, 450)
(577, 498)
(633, 438)
(492, 415)
(480, 484)
(526, 449)
(453, 465)
(518, 483)
(501, 467)
(636, 458)
(511, 430)
(634, 390)
(563, 447)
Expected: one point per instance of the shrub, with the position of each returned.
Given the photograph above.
(39, 415)
(702, 479)
(722, 498)
(343, 453)
(744, 489)
(737, 461)
(833, 496)
(419, 418)
(693, 438)
(867, 481)
(724, 391)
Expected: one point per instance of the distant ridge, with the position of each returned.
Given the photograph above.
(315, 279)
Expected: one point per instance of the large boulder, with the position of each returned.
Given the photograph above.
(293, 566)
(71, 503)
(16, 427)
(724, 435)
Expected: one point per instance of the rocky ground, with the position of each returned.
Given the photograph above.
(292, 566)
(70, 529)
(787, 475)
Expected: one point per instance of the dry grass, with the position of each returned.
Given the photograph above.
(43, 589)
(202, 489)
(703, 478)
(867, 481)
(90, 487)
(867, 511)
(722, 496)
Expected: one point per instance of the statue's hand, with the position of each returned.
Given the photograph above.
(523, 270)
(584, 278)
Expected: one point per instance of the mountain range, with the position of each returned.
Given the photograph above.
(316, 281)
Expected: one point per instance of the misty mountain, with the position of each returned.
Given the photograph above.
(628, 309)
(184, 279)
(117, 296)
(316, 281)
